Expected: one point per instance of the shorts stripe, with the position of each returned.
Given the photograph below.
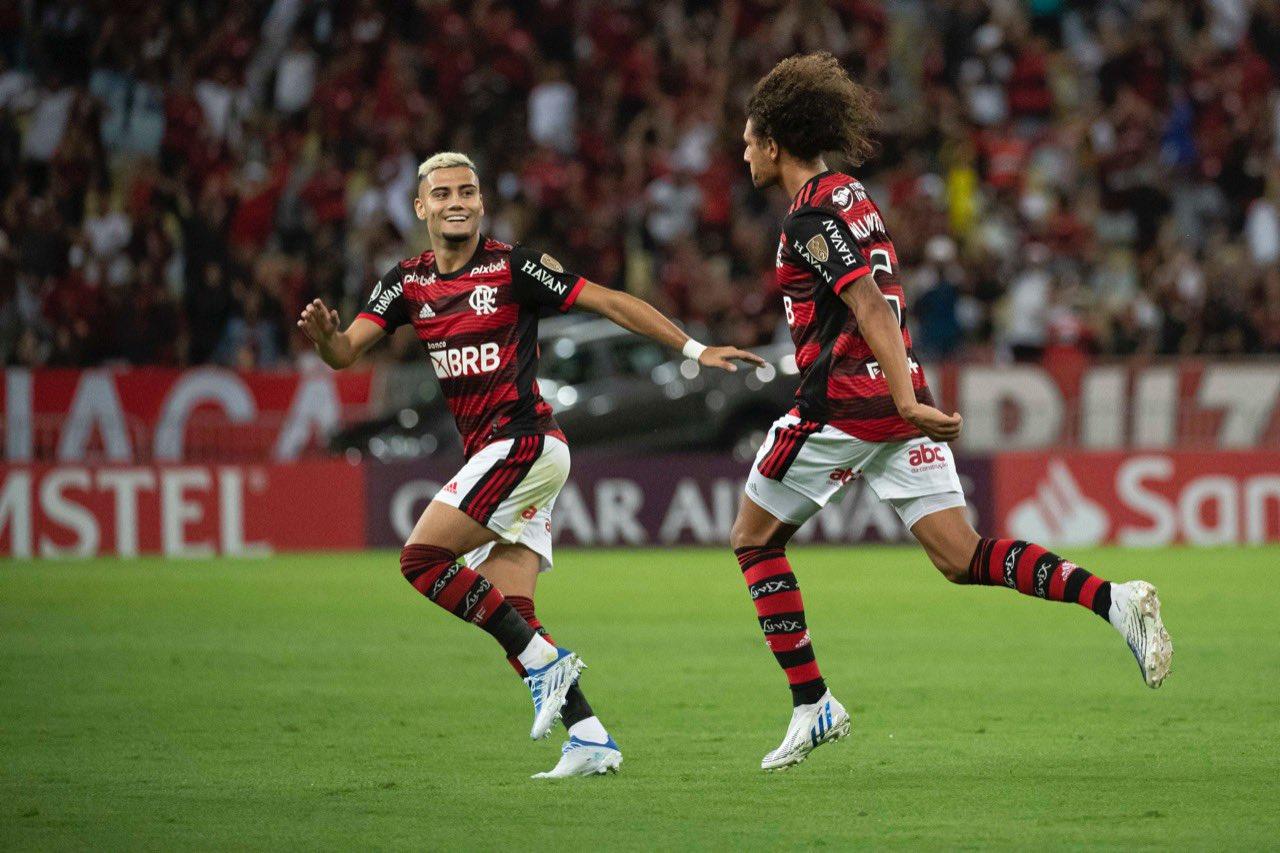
(494, 480)
(501, 480)
(786, 447)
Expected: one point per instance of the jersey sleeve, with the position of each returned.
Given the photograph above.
(823, 243)
(538, 279)
(386, 305)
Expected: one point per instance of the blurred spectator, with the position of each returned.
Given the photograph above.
(935, 288)
(296, 77)
(249, 339)
(1060, 178)
(552, 110)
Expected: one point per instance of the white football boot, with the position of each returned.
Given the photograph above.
(1135, 613)
(580, 757)
(811, 726)
(548, 686)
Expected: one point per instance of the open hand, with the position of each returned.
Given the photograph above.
(723, 358)
(933, 423)
(319, 321)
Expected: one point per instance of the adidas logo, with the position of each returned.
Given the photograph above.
(452, 488)
(426, 312)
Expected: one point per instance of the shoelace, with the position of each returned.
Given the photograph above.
(535, 688)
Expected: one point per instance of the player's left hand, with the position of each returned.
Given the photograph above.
(724, 358)
(936, 424)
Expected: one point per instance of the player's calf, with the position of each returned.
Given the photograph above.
(780, 610)
(964, 557)
(1036, 571)
(436, 573)
(954, 570)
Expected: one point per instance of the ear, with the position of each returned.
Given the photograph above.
(771, 148)
(419, 208)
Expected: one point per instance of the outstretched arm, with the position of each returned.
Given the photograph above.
(879, 327)
(337, 348)
(636, 315)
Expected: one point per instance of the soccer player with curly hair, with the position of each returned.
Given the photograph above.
(863, 406)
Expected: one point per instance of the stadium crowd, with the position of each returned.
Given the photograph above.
(178, 177)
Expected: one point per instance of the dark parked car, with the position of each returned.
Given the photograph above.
(614, 390)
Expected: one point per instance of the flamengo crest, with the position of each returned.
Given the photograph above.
(483, 299)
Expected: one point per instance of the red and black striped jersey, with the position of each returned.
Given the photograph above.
(479, 327)
(832, 236)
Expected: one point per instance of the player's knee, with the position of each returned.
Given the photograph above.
(742, 536)
(417, 560)
(408, 559)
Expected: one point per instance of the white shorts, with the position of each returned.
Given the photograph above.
(802, 465)
(510, 487)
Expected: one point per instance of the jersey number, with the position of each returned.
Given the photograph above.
(880, 261)
(786, 307)
(896, 304)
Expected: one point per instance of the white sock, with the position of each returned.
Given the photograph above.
(537, 654)
(589, 729)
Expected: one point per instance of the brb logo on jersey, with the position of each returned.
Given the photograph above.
(484, 300)
(925, 455)
(464, 361)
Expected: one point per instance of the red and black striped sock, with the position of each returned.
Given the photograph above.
(576, 708)
(1032, 570)
(465, 593)
(776, 595)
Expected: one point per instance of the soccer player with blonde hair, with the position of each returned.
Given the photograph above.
(474, 304)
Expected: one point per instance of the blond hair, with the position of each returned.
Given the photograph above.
(445, 160)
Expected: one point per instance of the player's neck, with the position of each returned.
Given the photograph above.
(451, 257)
(795, 173)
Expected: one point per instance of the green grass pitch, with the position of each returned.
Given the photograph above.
(317, 702)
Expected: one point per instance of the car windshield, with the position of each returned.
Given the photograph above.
(636, 356)
(567, 363)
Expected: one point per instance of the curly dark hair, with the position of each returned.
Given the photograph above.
(809, 105)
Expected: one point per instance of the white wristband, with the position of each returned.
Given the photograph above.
(693, 349)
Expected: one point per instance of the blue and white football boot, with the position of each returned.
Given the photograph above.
(549, 685)
(1135, 613)
(811, 726)
(580, 757)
